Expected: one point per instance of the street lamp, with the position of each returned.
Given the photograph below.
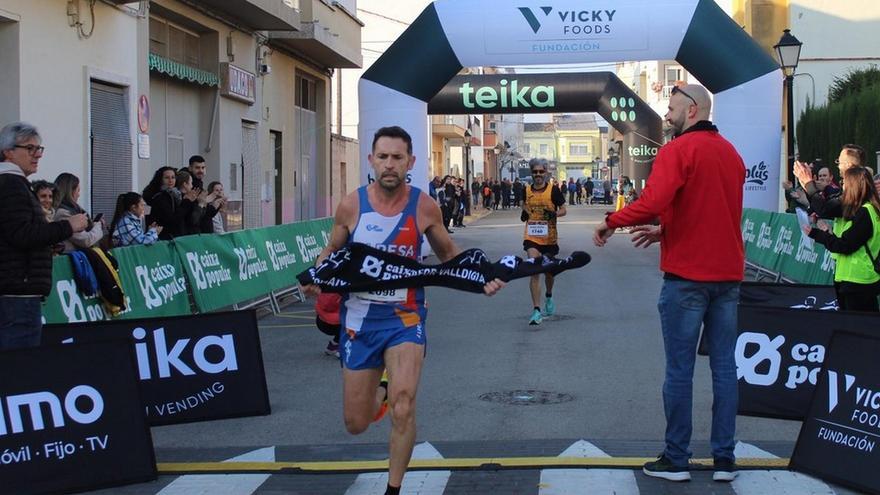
(612, 154)
(789, 52)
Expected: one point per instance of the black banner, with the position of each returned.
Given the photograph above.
(70, 420)
(191, 368)
(795, 296)
(840, 438)
(358, 267)
(601, 92)
(779, 354)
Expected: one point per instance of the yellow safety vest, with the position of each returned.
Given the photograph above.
(857, 267)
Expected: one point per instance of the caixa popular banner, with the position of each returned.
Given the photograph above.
(191, 368)
(70, 420)
(779, 355)
(840, 437)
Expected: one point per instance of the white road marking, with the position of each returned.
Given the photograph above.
(223, 484)
(592, 481)
(776, 482)
(414, 482)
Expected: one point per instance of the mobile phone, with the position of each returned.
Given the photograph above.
(98, 217)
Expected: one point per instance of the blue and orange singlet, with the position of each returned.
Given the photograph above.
(399, 234)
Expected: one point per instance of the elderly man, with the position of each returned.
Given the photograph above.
(25, 239)
(696, 188)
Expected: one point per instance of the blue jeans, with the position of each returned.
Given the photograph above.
(684, 307)
(21, 322)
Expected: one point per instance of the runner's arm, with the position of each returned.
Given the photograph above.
(345, 212)
(559, 200)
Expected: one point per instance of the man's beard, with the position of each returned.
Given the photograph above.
(390, 187)
(676, 127)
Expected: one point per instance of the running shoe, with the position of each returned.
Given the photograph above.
(549, 307)
(536, 317)
(332, 349)
(664, 468)
(383, 383)
(725, 470)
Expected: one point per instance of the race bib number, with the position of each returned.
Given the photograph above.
(538, 229)
(385, 296)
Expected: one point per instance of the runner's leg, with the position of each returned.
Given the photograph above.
(535, 282)
(361, 398)
(404, 363)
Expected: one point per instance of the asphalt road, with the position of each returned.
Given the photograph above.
(603, 351)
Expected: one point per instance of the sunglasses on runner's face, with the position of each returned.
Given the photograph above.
(539, 172)
(676, 89)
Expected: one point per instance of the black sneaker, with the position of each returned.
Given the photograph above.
(725, 470)
(663, 468)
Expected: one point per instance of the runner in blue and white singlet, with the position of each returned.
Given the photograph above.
(379, 319)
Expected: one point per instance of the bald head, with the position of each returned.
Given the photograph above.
(688, 105)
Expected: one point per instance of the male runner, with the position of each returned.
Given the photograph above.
(385, 330)
(542, 206)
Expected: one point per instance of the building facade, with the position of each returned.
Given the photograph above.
(136, 86)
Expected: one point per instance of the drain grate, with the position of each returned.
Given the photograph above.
(526, 397)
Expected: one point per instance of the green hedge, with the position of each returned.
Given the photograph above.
(822, 131)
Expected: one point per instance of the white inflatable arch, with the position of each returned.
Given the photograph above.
(451, 34)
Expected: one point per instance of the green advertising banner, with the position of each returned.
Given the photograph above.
(212, 268)
(219, 271)
(775, 242)
(153, 280)
(65, 304)
(240, 266)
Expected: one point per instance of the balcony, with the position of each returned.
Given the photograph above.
(329, 35)
(449, 126)
(261, 15)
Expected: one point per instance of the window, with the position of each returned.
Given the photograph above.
(578, 149)
(527, 148)
(492, 125)
(305, 93)
(543, 149)
(173, 42)
(673, 74)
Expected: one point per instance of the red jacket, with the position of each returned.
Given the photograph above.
(696, 188)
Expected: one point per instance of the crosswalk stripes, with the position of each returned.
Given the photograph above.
(594, 481)
(780, 482)
(223, 484)
(414, 482)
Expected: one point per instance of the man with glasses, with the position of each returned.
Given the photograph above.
(543, 204)
(26, 239)
(696, 189)
(825, 202)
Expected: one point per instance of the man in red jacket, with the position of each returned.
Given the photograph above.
(696, 189)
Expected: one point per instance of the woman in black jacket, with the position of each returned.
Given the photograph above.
(173, 207)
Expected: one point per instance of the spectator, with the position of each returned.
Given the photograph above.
(197, 168)
(25, 239)
(45, 192)
(588, 189)
(496, 193)
(606, 188)
(172, 208)
(877, 182)
(579, 185)
(827, 203)
(518, 191)
(66, 205)
(459, 204)
(216, 188)
(798, 195)
(327, 320)
(854, 242)
(163, 179)
(432, 187)
(476, 187)
(572, 191)
(127, 227)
